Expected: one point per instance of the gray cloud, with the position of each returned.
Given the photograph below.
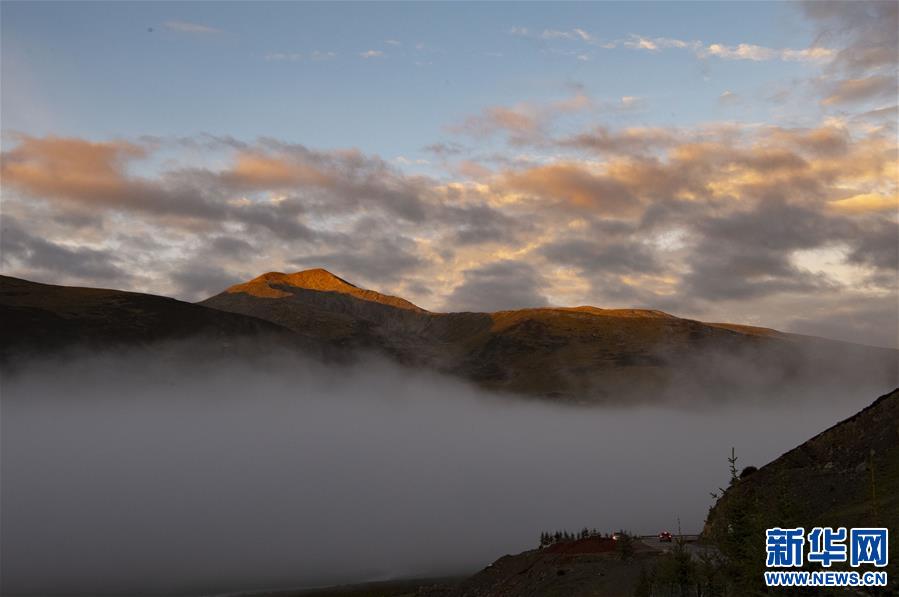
(856, 90)
(627, 141)
(775, 225)
(737, 273)
(283, 219)
(40, 259)
(878, 246)
(368, 257)
(597, 257)
(480, 224)
(233, 247)
(498, 286)
(866, 32)
(748, 254)
(444, 149)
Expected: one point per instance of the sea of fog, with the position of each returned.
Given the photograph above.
(129, 475)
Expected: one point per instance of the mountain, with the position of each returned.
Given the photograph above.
(318, 303)
(580, 353)
(267, 285)
(40, 319)
(846, 476)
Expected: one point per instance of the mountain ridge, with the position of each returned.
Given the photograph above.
(567, 353)
(272, 284)
(268, 285)
(42, 319)
(570, 354)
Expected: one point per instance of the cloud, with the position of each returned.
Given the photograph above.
(728, 97)
(867, 34)
(865, 203)
(633, 140)
(371, 54)
(576, 103)
(57, 166)
(714, 221)
(401, 159)
(857, 90)
(371, 260)
(807, 54)
(235, 247)
(748, 254)
(761, 53)
(574, 186)
(479, 225)
(90, 173)
(443, 149)
(194, 28)
(742, 51)
(867, 37)
(280, 57)
(524, 123)
(630, 101)
(56, 263)
(638, 42)
(498, 286)
(573, 34)
(598, 257)
(95, 174)
(878, 247)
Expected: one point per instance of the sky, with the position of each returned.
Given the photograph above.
(723, 161)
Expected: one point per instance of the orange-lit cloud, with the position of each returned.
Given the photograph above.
(575, 186)
(259, 171)
(851, 90)
(866, 202)
(69, 168)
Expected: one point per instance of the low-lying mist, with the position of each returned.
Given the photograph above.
(130, 474)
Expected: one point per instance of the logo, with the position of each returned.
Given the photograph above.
(786, 548)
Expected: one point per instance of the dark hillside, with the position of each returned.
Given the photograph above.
(846, 476)
(41, 319)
